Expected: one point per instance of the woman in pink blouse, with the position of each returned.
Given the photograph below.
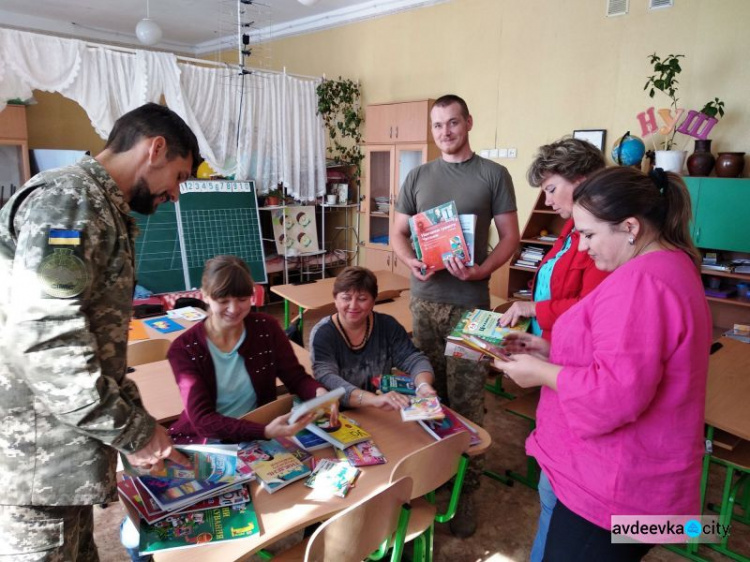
(620, 420)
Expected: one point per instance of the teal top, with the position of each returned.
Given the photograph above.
(543, 287)
(235, 395)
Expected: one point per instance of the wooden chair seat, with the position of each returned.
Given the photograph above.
(422, 517)
(147, 351)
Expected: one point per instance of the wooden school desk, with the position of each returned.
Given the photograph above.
(156, 334)
(310, 296)
(728, 391)
(159, 392)
(292, 508)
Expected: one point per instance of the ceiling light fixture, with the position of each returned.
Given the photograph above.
(147, 30)
(307, 2)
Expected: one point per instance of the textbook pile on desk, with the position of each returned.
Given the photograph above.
(187, 506)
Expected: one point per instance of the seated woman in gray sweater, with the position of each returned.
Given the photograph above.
(349, 347)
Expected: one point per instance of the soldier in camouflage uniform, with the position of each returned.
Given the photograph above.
(482, 188)
(66, 284)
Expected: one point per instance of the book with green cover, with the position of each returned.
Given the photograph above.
(199, 527)
(397, 383)
(485, 324)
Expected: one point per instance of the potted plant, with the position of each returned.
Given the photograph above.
(701, 161)
(664, 79)
(275, 196)
(339, 107)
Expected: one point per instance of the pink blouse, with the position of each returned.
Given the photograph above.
(623, 433)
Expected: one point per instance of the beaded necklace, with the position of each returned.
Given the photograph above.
(346, 336)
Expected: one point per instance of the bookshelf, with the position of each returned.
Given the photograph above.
(542, 219)
(720, 210)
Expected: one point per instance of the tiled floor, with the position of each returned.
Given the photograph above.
(507, 515)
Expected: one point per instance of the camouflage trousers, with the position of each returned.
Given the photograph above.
(458, 382)
(47, 533)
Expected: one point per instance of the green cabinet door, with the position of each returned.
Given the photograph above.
(722, 214)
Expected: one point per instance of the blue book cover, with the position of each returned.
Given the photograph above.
(273, 465)
(163, 325)
(309, 441)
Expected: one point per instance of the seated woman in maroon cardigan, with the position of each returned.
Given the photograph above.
(227, 365)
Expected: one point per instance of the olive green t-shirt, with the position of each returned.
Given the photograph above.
(478, 186)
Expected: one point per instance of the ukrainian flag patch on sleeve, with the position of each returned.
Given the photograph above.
(59, 237)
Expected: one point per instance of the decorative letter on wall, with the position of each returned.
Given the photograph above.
(697, 125)
(669, 123)
(647, 119)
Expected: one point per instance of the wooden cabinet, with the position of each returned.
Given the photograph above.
(721, 207)
(542, 219)
(391, 123)
(14, 150)
(386, 260)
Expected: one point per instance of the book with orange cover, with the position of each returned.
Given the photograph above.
(437, 235)
(137, 331)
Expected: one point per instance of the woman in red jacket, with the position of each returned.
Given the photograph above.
(227, 365)
(565, 275)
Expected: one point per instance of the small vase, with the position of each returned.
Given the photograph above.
(730, 164)
(670, 160)
(701, 162)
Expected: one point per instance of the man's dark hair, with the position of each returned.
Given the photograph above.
(448, 99)
(154, 120)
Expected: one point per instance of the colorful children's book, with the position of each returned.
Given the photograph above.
(317, 405)
(332, 478)
(362, 454)
(437, 236)
(297, 452)
(397, 383)
(137, 331)
(274, 466)
(212, 463)
(450, 424)
(343, 435)
(199, 527)
(176, 494)
(309, 441)
(190, 313)
(149, 510)
(422, 409)
(485, 324)
(163, 325)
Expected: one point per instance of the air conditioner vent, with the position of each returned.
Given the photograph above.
(617, 7)
(659, 4)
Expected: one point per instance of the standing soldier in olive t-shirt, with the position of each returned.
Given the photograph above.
(479, 187)
(67, 273)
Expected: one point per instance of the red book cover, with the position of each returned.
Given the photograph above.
(437, 235)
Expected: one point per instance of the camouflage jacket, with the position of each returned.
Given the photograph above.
(66, 284)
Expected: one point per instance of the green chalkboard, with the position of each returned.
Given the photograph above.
(210, 219)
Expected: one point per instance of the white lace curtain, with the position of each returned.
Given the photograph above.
(280, 139)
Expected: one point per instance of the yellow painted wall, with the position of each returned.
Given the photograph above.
(534, 70)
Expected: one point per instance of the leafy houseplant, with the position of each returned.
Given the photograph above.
(714, 108)
(339, 107)
(275, 196)
(665, 80)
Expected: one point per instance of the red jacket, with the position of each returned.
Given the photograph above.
(267, 353)
(574, 276)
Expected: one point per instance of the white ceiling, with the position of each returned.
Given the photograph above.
(191, 26)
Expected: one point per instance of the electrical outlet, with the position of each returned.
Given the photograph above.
(502, 153)
(494, 153)
(511, 153)
(484, 153)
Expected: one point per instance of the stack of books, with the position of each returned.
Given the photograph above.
(478, 336)
(188, 505)
(450, 424)
(274, 466)
(530, 256)
(441, 233)
(423, 409)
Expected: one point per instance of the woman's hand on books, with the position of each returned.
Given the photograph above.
(518, 310)
(388, 401)
(523, 342)
(280, 426)
(529, 371)
(160, 447)
(425, 390)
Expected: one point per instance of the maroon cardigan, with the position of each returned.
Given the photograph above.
(573, 277)
(267, 353)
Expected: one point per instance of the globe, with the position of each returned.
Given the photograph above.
(628, 150)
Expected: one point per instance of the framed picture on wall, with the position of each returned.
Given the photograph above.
(594, 136)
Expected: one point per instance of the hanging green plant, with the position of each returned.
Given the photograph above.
(339, 106)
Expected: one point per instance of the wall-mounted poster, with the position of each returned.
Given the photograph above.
(295, 230)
